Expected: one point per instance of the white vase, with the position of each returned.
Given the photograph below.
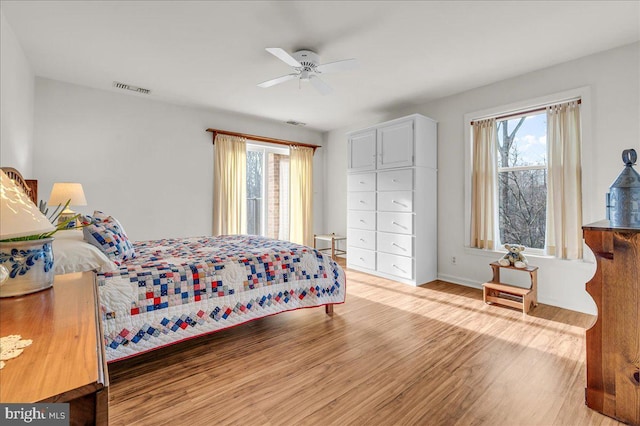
(27, 266)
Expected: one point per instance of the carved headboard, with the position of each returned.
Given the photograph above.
(30, 186)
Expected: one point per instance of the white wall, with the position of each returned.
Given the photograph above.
(148, 163)
(614, 81)
(16, 107)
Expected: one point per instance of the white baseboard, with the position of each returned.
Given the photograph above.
(459, 280)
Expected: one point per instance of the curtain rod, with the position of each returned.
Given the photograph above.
(261, 139)
(515, 114)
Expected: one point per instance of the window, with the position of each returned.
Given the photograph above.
(524, 183)
(268, 191)
(522, 180)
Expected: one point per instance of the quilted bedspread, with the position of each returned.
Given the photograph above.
(175, 289)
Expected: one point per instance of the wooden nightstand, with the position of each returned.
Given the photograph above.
(65, 362)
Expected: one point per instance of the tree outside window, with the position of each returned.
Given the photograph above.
(522, 180)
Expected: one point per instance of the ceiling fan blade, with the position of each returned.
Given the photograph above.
(283, 56)
(320, 85)
(344, 65)
(278, 80)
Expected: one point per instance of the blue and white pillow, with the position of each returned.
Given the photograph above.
(106, 233)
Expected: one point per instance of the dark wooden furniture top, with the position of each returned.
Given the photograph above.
(613, 342)
(66, 360)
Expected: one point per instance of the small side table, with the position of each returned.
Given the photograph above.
(497, 292)
(333, 238)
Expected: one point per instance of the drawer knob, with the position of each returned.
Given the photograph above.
(362, 202)
(361, 221)
(362, 258)
(397, 224)
(398, 203)
(362, 239)
(361, 183)
(400, 247)
(394, 180)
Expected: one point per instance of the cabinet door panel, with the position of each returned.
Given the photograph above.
(362, 151)
(395, 145)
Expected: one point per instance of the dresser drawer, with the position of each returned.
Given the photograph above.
(361, 257)
(401, 223)
(395, 243)
(361, 182)
(361, 200)
(395, 201)
(395, 265)
(361, 238)
(361, 219)
(396, 180)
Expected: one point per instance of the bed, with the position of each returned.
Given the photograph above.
(157, 293)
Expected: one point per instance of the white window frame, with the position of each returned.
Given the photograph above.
(265, 148)
(588, 180)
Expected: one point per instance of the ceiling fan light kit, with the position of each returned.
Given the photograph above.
(307, 67)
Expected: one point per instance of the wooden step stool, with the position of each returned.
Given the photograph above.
(504, 294)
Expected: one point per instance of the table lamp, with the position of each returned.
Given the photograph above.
(63, 192)
(26, 256)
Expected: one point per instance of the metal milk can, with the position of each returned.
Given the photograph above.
(623, 198)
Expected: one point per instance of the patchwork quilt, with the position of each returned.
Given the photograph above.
(176, 289)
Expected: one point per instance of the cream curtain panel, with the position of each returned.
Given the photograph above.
(230, 185)
(301, 195)
(564, 183)
(483, 181)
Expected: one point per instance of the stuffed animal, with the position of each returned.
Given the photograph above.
(514, 256)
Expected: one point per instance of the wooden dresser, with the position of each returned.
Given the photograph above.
(613, 343)
(65, 362)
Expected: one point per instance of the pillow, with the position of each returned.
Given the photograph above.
(103, 217)
(72, 254)
(107, 234)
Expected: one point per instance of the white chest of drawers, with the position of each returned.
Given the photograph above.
(392, 196)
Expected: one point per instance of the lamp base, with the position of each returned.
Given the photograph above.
(28, 266)
(65, 216)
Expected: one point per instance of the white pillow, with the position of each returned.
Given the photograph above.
(72, 254)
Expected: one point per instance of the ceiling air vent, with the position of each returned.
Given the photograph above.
(132, 88)
(295, 123)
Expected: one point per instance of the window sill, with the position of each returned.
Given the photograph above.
(497, 254)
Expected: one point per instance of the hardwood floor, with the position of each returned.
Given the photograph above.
(392, 354)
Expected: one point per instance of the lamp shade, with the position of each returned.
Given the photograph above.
(65, 191)
(19, 216)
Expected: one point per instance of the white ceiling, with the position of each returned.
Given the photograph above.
(211, 53)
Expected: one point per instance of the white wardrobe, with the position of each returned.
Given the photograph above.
(391, 200)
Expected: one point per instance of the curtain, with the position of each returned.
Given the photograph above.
(230, 185)
(483, 181)
(301, 195)
(564, 184)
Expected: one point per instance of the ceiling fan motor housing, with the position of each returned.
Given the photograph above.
(308, 59)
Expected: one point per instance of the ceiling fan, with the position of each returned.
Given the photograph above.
(307, 68)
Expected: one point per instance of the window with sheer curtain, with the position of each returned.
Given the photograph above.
(526, 180)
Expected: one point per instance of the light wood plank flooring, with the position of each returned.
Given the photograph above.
(392, 354)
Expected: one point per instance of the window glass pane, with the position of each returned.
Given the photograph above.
(255, 178)
(523, 207)
(523, 141)
(522, 194)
